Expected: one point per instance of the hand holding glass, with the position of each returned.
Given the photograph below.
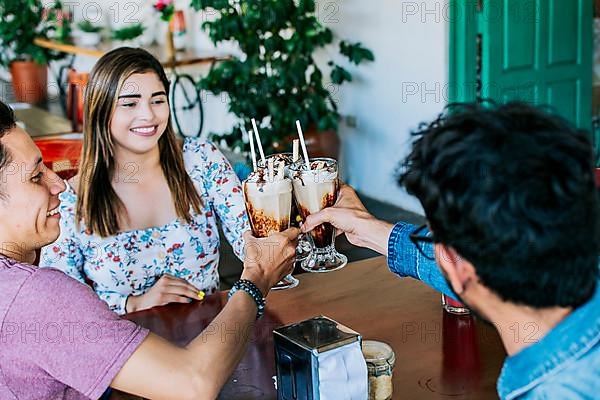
(268, 203)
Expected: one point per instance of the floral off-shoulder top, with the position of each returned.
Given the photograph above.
(130, 262)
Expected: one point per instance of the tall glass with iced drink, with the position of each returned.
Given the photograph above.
(304, 248)
(314, 190)
(268, 202)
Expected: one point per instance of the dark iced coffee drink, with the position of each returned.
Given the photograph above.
(315, 189)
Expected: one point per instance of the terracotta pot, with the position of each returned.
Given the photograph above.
(318, 144)
(76, 82)
(30, 81)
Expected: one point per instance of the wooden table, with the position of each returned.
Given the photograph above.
(438, 355)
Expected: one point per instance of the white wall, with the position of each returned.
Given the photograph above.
(390, 97)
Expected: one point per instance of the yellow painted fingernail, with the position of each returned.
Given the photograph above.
(201, 295)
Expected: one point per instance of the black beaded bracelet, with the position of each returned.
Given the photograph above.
(253, 291)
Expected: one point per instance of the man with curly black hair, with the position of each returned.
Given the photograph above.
(512, 211)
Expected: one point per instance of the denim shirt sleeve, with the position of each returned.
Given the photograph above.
(405, 260)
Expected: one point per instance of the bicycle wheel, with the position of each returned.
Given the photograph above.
(186, 106)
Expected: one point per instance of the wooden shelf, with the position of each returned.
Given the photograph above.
(183, 58)
(40, 123)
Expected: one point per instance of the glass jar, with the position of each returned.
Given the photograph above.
(380, 360)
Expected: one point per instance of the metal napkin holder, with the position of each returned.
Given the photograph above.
(297, 347)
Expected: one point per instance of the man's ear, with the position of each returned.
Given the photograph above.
(458, 270)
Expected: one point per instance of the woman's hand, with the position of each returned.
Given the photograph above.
(168, 289)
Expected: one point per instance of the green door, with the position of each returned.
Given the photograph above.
(538, 51)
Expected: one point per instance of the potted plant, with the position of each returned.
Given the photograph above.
(89, 34)
(22, 22)
(127, 35)
(277, 80)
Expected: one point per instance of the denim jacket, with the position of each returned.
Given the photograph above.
(564, 364)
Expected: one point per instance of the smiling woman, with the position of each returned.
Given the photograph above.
(114, 95)
(142, 111)
(140, 218)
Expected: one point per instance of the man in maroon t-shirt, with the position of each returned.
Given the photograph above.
(58, 340)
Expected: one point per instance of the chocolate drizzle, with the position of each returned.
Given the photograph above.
(258, 177)
(323, 235)
(299, 171)
(261, 224)
(285, 157)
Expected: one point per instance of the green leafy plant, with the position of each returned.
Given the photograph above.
(60, 20)
(277, 81)
(87, 26)
(22, 22)
(128, 32)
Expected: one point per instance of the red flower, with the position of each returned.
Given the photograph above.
(162, 4)
(55, 249)
(176, 245)
(117, 259)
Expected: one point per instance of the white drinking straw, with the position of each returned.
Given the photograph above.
(260, 148)
(253, 154)
(271, 169)
(303, 144)
(296, 150)
(281, 170)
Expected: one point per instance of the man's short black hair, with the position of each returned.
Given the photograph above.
(7, 119)
(7, 122)
(511, 188)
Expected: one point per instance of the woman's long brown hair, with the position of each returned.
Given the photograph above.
(98, 206)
